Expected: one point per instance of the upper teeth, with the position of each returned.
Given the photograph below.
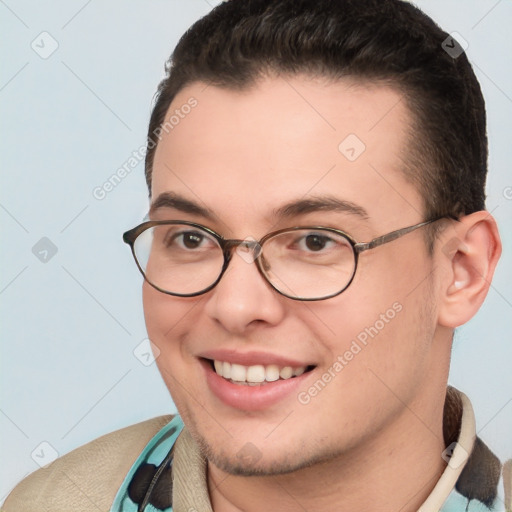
(257, 373)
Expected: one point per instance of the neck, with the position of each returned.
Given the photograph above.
(395, 470)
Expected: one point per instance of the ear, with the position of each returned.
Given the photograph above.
(469, 254)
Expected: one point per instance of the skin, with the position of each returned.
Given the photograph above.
(376, 428)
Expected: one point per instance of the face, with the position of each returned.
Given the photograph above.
(294, 152)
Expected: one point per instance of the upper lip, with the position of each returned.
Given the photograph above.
(251, 358)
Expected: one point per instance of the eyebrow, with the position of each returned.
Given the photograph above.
(322, 204)
(177, 202)
(291, 209)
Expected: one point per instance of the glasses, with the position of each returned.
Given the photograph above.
(186, 259)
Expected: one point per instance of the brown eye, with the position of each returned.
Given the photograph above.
(316, 242)
(187, 240)
(192, 240)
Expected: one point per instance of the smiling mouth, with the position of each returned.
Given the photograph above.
(256, 375)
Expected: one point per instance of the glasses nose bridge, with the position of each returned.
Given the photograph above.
(248, 245)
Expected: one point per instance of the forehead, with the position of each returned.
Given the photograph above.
(246, 152)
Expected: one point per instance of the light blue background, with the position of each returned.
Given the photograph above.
(70, 326)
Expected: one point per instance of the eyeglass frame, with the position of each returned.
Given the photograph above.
(227, 245)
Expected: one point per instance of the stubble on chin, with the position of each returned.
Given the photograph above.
(249, 460)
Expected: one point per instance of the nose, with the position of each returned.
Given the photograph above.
(243, 299)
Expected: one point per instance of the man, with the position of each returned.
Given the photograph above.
(317, 231)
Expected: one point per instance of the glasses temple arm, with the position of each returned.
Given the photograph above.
(389, 237)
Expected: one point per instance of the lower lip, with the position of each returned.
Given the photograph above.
(251, 398)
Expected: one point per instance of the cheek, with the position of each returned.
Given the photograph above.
(385, 317)
(378, 350)
(168, 322)
(162, 311)
(154, 306)
(165, 318)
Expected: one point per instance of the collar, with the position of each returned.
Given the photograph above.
(459, 430)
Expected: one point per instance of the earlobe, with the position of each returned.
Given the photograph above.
(469, 259)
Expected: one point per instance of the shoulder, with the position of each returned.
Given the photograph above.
(87, 478)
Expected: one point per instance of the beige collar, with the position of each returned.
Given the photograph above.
(460, 451)
(189, 485)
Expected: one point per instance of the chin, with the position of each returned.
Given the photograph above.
(249, 460)
(256, 465)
